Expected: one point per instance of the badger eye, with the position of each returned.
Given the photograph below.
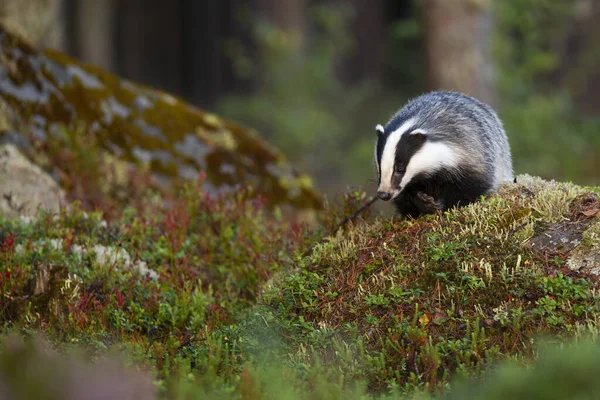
(400, 169)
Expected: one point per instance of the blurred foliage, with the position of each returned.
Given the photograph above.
(30, 369)
(302, 105)
(325, 126)
(549, 136)
(562, 372)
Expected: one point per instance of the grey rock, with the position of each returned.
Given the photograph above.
(24, 186)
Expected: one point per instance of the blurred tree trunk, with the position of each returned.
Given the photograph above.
(579, 60)
(366, 59)
(207, 24)
(149, 44)
(458, 35)
(94, 32)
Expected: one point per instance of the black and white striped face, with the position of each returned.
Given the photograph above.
(404, 152)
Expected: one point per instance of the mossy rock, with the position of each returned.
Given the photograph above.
(49, 90)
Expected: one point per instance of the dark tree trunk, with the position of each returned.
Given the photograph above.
(580, 57)
(458, 35)
(149, 43)
(207, 25)
(366, 58)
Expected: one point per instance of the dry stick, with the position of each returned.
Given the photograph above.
(353, 216)
(342, 223)
(187, 341)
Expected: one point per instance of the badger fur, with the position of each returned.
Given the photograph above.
(443, 149)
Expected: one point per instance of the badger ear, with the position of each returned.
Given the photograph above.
(419, 132)
(379, 129)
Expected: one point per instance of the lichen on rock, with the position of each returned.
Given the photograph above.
(175, 140)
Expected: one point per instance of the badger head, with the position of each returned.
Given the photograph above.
(405, 151)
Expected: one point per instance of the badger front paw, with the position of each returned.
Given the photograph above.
(428, 204)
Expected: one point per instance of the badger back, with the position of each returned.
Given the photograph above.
(442, 130)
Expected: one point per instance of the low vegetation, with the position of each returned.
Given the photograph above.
(215, 295)
(407, 303)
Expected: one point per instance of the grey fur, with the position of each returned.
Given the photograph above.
(468, 126)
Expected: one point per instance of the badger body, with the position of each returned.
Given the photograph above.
(441, 150)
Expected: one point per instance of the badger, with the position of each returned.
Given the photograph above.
(441, 150)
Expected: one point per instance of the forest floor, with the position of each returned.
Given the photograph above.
(214, 296)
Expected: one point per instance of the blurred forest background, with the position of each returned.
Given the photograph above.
(315, 76)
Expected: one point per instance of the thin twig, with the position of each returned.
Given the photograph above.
(342, 223)
(156, 338)
(353, 216)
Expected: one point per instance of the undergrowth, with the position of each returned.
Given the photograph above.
(406, 304)
(213, 295)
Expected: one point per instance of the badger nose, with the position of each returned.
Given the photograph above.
(385, 196)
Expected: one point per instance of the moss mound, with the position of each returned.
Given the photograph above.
(407, 303)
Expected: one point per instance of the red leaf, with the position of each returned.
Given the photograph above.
(8, 244)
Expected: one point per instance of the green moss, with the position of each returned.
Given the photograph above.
(452, 292)
(591, 236)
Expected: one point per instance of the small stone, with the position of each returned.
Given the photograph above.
(24, 186)
(583, 259)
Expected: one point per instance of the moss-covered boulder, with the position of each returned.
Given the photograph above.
(49, 91)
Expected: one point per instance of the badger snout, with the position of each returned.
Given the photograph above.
(385, 196)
